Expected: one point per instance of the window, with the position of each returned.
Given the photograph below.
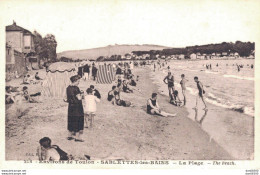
(8, 51)
(27, 47)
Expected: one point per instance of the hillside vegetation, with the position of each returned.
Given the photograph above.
(108, 51)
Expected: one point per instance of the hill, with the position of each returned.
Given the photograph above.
(108, 51)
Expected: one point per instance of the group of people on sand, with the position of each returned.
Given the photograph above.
(12, 94)
(28, 79)
(18, 96)
(174, 94)
(77, 114)
(126, 83)
(81, 115)
(88, 70)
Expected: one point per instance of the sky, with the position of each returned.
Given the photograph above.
(91, 24)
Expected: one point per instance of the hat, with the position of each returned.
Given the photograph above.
(74, 78)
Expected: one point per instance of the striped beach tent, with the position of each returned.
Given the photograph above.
(105, 74)
(58, 79)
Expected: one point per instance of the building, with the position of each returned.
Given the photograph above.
(236, 55)
(193, 56)
(181, 57)
(15, 63)
(19, 38)
(19, 49)
(224, 54)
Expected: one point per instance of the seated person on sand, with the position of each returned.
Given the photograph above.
(118, 71)
(129, 74)
(154, 108)
(120, 102)
(119, 87)
(111, 95)
(119, 80)
(46, 151)
(132, 81)
(26, 79)
(9, 95)
(95, 91)
(125, 73)
(30, 80)
(126, 88)
(37, 77)
(175, 99)
(137, 77)
(28, 97)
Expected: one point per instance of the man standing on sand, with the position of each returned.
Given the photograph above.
(154, 108)
(86, 72)
(183, 87)
(94, 72)
(200, 94)
(170, 82)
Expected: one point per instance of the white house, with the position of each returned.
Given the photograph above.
(236, 55)
(193, 56)
(181, 56)
(19, 38)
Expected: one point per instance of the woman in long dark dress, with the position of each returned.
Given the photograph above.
(75, 110)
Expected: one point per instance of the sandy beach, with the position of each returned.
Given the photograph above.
(119, 132)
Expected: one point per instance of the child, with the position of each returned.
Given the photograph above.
(95, 91)
(176, 100)
(90, 109)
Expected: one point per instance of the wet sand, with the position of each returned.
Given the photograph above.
(127, 133)
(232, 130)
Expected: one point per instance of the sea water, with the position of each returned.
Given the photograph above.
(225, 86)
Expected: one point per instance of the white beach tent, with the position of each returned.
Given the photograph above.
(58, 79)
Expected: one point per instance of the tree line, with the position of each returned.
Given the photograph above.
(242, 48)
(45, 47)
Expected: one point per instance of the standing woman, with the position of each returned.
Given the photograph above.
(75, 110)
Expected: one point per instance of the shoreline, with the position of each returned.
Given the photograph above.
(232, 130)
(138, 136)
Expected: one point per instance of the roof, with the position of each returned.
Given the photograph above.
(61, 66)
(15, 27)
